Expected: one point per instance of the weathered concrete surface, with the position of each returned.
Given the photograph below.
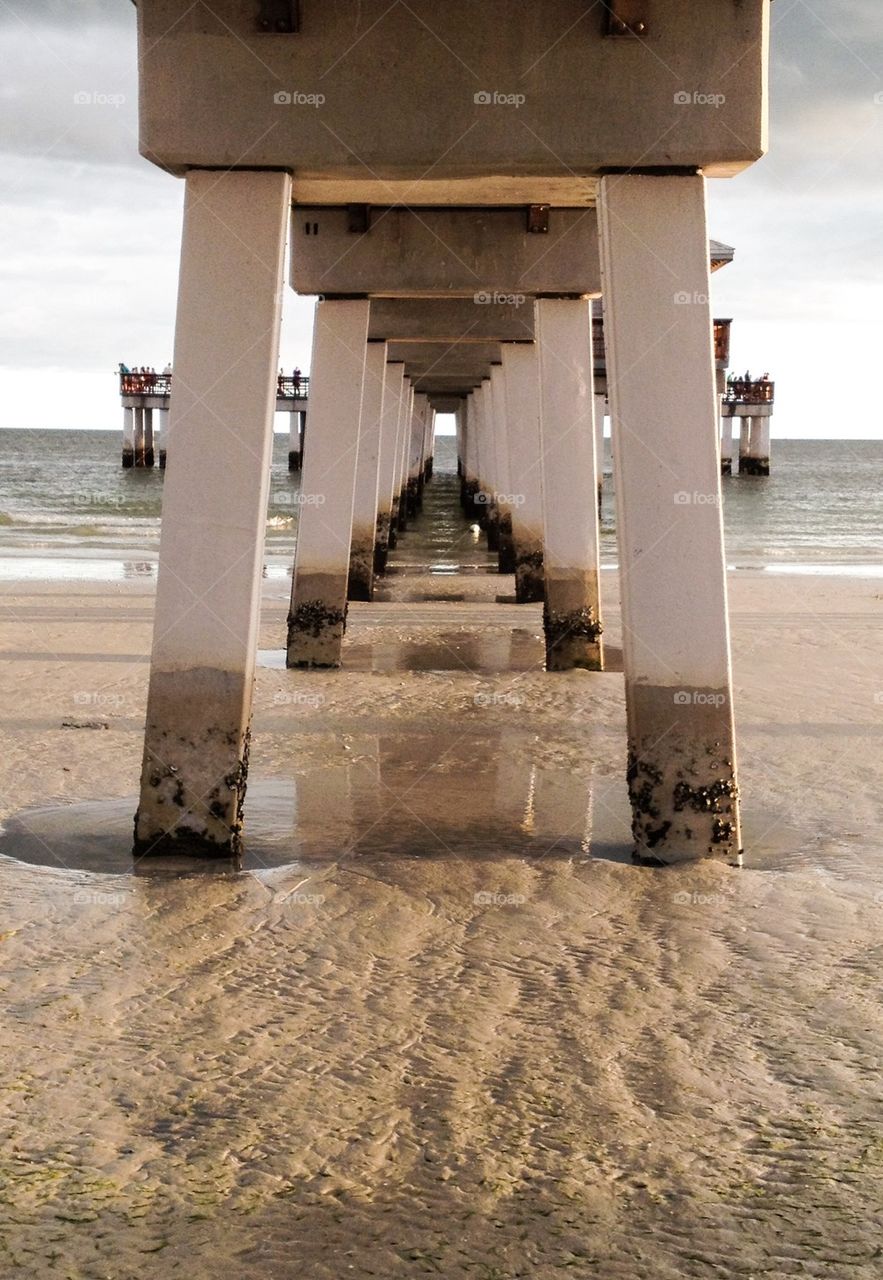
(570, 108)
(325, 525)
(571, 621)
(664, 410)
(481, 254)
(208, 589)
(465, 321)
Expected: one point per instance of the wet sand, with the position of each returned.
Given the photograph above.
(440, 1025)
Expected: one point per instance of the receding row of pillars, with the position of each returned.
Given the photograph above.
(528, 428)
(144, 436)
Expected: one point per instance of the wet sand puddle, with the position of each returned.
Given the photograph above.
(437, 1024)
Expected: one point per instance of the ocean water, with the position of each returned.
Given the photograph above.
(64, 496)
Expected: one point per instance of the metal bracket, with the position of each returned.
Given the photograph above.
(358, 219)
(538, 219)
(279, 17)
(625, 18)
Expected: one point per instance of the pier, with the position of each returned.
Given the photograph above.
(597, 191)
(144, 393)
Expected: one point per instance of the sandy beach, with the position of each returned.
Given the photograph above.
(440, 1025)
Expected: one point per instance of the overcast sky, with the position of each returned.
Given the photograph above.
(90, 232)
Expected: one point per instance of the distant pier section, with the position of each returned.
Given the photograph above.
(145, 399)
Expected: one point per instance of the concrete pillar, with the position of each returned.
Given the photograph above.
(161, 440)
(572, 613)
(386, 470)
(214, 513)
(754, 460)
(600, 412)
(744, 439)
(726, 444)
(405, 427)
(295, 446)
(487, 455)
(419, 408)
(138, 436)
(681, 773)
(470, 458)
(365, 500)
(428, 443)
(128, 437)
(317, 616)
(521, 372)
(504, 497)
(147, 458)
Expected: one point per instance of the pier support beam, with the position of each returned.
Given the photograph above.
(295, 443)
(754, 451)
(726, 439)
(521, 372)
(214, 513)
(387, 474)
(360, 585)
(147, 453)
(664, 409)
(162, 436)
(503, 496)
(128, 437)
(317, 616)
(600, 411)
(572, 613)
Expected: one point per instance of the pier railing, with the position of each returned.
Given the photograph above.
(288, 387)
(761, 391)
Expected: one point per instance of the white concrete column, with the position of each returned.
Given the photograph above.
(521, 372)
(489, 516)
(405, 425)
(317, 617)
(504, 497)
(138, 435)
(294, 441)
(470, 457)
(365, 501)
(572, 614)
(744, 438)
(661, 380)
(161, 439)
(147, 459)
(128, 437)
(387, 482)
(600, 413)
(755, 459)
(428, 442)
(214, 513)
(726, 443)
(419, 409)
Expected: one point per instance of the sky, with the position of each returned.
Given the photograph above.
(90, 232)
